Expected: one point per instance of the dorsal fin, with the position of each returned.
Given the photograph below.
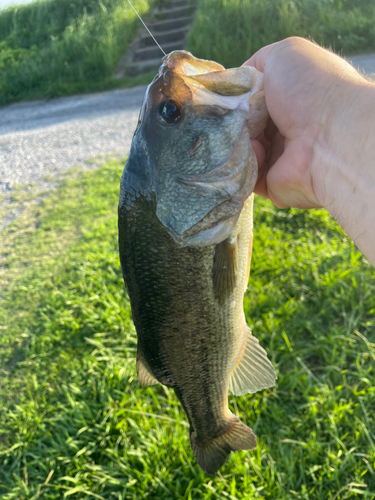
(224, 270)
(253, 370)
(145, 377)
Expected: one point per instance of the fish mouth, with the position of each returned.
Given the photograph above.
(209, 83)
(202, 209)
(182, 62)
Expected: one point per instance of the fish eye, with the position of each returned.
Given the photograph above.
(169, 111)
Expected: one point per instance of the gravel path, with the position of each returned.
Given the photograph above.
(49, 137)
(364, 63)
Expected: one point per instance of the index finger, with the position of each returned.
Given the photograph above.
(258, 60)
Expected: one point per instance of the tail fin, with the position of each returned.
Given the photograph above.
(211, 455)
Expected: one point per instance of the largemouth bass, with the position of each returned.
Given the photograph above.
(185, 238)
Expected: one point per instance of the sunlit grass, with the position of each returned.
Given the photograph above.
(53, 47)
(230, 31)
(73, 418)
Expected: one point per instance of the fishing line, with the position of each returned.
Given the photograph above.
(152, 36)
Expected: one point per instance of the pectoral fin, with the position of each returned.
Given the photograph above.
(253, 370)
(224, 270)
(145, 377)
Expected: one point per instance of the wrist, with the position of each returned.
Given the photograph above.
(343, 168)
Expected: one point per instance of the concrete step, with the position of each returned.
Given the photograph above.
(170, 24)
(179, 3)
(164, 37)
(139, 67)
(153, 52)
(174, 13)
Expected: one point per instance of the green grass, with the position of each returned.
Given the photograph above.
(230, 31)
(74, 421)
(57, 47)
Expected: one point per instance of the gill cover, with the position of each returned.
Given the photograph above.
(196, 124)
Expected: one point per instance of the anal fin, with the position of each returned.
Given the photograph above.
(253, 370)
(145, 377)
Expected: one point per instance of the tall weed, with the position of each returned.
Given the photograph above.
(230, 31)
(54, 47)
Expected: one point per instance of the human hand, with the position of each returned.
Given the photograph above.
(310, 94)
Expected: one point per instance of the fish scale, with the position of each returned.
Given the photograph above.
(182, 284)
(185, 236)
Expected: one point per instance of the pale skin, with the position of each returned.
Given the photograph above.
(318, 149)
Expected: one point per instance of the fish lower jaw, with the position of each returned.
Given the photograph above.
(209, 237)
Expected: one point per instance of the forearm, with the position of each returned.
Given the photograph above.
(345, 168)
(320, 148)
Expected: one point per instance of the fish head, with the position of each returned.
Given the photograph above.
(195, 126)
